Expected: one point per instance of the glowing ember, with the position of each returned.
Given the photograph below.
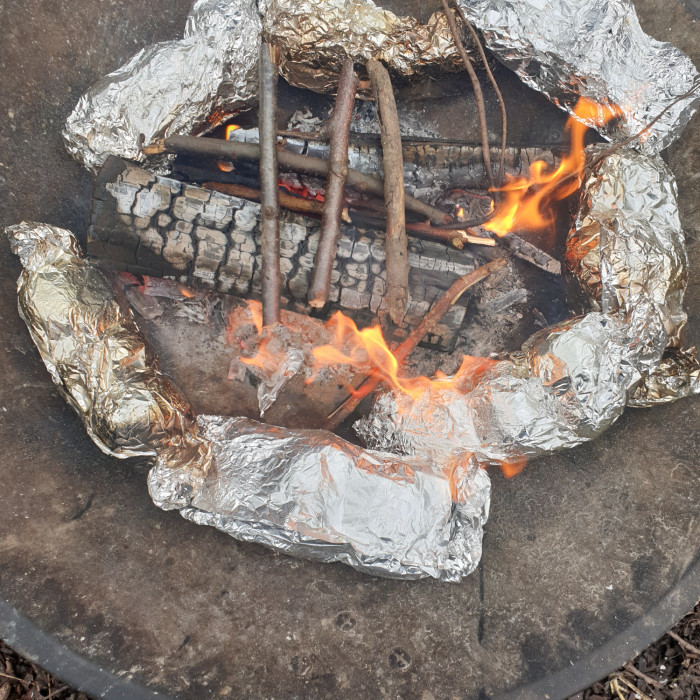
(525, 203)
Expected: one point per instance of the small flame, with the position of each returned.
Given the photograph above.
(525, 201)
(460, 213)
(230, 129)
(367, 348)
(186, 291)
(225, 166)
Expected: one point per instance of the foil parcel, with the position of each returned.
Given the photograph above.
(308, 493)
(289, 489)
(564, 48)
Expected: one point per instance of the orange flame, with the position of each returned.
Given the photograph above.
(525, 200)
(367, 348)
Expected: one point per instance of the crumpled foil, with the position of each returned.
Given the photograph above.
(626, 242)
(570, 382)
(95, 354)
(316, 37)
(595, 49)
(309, 493)
(270, 387)
(172, 87)
(676, 377)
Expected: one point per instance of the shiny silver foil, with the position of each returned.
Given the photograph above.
(626, 243)
(95, 354)
(570, 382)
(595, 49)
(173, 87)
(677, 376)
(316, 37)
(309, 493)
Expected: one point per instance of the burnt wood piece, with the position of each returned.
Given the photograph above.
(155, 225)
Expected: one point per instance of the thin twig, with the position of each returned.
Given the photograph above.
(231, 150)
(287, 201)
(335, 186)
(649, 681)
(425, 327)
(478, 95)
(269, 191)
(496, 89)
(396, 244)
(13, 678)
(687, 646)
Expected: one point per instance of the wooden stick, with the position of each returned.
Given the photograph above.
(478, 95)
(687, 646)
(329, 235)
(502, 104)
(426, 326)
(269, 177)
(231, 150)
(287, 201)
(396, 245)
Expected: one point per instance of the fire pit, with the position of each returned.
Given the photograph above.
(412, 650)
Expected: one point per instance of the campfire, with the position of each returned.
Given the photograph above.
(330, 266)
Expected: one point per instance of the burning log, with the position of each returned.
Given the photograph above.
(156, 225)
(269, 210)
(426, 326)
(339, 130)
(231, 150)
(396, 241)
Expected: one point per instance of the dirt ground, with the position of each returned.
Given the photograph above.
(669, 669)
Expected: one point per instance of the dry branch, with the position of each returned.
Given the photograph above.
(269, 177)
(339, 127)
(426, 326)
(231, 150)
(502, 104)
(287, 201)
(478, 95)
(392, 154)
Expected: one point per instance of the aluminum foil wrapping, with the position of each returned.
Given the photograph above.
(171, 87)
(95, 353)
(626, 243)
(595, 49)
(311, 494)
(676, 377)
(315, 37)
(570, 382)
